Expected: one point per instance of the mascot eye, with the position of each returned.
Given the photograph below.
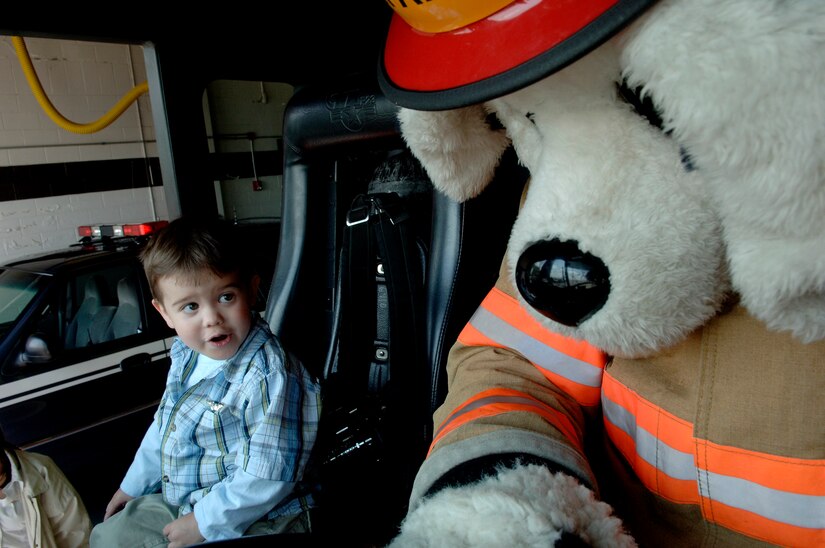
(644, 106)
(493, 122)
(562, 282)
(531, 116)
(687, 160)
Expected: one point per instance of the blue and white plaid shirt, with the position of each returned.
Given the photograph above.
(258, 413)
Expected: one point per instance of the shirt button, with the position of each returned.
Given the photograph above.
(173, 427)
(165, 479)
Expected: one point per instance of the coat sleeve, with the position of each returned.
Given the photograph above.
(516, 393)
(63, 508)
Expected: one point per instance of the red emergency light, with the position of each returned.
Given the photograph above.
(117, 231)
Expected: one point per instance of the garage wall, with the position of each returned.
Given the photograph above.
(52, 180)
(245, 124)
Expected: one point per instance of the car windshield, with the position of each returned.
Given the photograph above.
(17, 289)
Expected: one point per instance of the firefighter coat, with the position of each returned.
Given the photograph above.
(717, 442)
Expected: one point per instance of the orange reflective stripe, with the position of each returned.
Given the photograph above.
(574, 367)
(510, 310)
(802, 476)
(585, 395)
(682, 491)
(774, 532)
(668, 428)
(773, 498)
(498, 401)
(470, 336)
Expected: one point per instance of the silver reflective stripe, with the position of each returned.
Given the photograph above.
(540, 354)
(791, 508)
(774, 504)
(676, 464)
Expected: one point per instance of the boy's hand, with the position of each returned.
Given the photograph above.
(183, 531)
(119, 500)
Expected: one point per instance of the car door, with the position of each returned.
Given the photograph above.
(86, 372)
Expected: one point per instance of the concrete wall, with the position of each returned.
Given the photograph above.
(235, 111)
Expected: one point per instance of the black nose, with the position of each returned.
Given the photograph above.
(563, 283)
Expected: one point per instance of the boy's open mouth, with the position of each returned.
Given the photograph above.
(218, 339)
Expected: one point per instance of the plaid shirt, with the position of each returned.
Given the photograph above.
(258, 412)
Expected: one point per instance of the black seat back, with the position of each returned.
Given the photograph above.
(330, 305)
(375, 433)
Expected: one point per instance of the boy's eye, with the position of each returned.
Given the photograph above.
(226, 297)
(189, 308)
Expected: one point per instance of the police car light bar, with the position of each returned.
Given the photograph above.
(116, 231)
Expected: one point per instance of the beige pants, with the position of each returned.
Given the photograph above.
(140, 525)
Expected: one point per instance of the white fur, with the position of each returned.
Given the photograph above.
(742, 85)
(456, 147)
(603, 177)
(522, 507)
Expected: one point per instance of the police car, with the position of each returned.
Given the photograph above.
(83, 355)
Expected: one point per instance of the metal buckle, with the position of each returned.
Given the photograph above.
(358, 215)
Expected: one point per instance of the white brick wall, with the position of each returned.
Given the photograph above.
(83, 80)
(43, 224)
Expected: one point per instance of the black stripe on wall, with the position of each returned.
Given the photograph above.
(45, 180)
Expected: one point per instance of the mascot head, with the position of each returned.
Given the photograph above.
(676, 152)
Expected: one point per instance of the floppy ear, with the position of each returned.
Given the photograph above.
(458, 148)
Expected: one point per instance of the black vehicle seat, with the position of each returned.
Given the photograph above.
(328, 134)
(126, 319)
(334, 138)
(468, 245)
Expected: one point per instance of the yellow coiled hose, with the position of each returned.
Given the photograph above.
(59, 119)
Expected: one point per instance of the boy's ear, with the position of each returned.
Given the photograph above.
(159, 307)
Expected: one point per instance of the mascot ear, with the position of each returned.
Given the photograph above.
(458, 148)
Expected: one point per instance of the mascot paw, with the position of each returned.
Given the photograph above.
(522, 506)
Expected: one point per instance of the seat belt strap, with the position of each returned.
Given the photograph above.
(357, 290)
(379, 334)
(396, 249)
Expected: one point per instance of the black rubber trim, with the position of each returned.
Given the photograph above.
(479, 468)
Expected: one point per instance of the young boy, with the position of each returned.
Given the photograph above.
(239, 416)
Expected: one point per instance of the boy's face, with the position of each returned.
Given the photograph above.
(211, 314)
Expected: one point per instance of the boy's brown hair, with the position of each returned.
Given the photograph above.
(187, 247)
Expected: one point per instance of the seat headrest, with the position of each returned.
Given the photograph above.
(95, 288)
(127, 292)
(319, 120)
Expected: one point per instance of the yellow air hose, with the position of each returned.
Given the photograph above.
(59, 119)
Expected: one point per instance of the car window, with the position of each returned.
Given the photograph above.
(81, 320)
(101, 306)
(17, 290)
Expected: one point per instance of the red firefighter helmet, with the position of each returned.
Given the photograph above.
(442, 54)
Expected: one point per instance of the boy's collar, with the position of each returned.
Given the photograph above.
(258, 334)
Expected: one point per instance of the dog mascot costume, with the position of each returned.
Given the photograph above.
(650, 366)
